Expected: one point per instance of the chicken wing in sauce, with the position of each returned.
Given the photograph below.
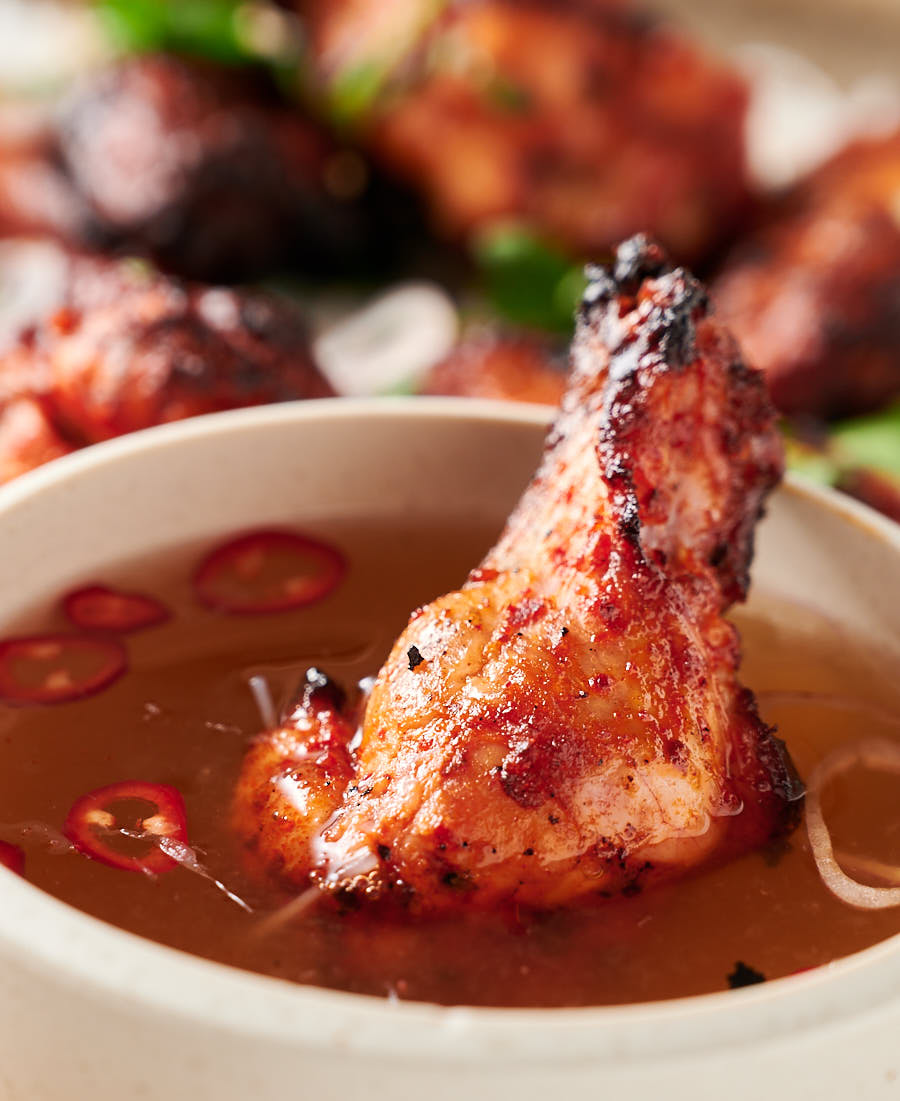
(569, 723)
(499, 365)
(814, 294)
(583, 119)
(205, 169)
(129, 348)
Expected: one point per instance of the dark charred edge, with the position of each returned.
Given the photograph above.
(667, 337)
(321, 693)
(671, 329)
(744, 975)
(781, 776)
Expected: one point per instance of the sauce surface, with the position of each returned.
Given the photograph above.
(183, 715)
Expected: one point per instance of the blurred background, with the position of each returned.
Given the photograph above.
(212, 203)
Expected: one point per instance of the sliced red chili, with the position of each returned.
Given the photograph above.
(122, 824)
(12, 857)
(268, 571)
(57, 668)
(98, 608)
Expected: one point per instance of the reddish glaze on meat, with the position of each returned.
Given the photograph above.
(109, 824)
(569, 723)
(28, 437)
(588, 121)
(268, 571)
(504, 366)
(813, 294)
(98, 608)
(129, 348)
(52, 669)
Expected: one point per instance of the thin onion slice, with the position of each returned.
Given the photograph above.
(262, 694)
(865, 865)
(182, 853)
(288, 913)
(874, 753)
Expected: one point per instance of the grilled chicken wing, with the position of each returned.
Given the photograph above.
(200, 167)
(205, 169)
(504, 366)
(129, 348)
(582, 118)
(814, 294)
(569, 723)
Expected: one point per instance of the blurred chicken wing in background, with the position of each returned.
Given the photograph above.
(585, 120)
(813, 294)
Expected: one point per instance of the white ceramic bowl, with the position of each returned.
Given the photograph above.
(90, 1012)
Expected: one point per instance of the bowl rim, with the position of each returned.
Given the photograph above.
(76, 949)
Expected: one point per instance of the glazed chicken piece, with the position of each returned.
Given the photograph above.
(569, 723)
(28, 438)
(813, 295)
(502, 366)
(583, 119)
(130, 348)
(205, 169)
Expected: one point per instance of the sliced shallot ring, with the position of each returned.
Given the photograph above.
(91, 817)
(12, 857)
(58, 684)
(218, 579)
(874, 753)
(99, 608)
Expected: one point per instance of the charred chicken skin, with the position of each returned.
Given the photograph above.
(582, 119)
(200, 167)
(814, 294)
(206, 170)
(569, 723)
(130, 348)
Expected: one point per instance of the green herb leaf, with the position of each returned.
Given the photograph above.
(355, 90)
(811, 463)
(527, 280)
(509, 97)
(872, 441)
(207, 28)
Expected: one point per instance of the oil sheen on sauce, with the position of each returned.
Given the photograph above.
(183, 715)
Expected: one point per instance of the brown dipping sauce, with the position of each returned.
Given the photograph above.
(183, 715)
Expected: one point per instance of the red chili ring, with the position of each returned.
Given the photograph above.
(242, 577)
(12, 857)
(91, 817)
(98, 608)
(51, 669)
